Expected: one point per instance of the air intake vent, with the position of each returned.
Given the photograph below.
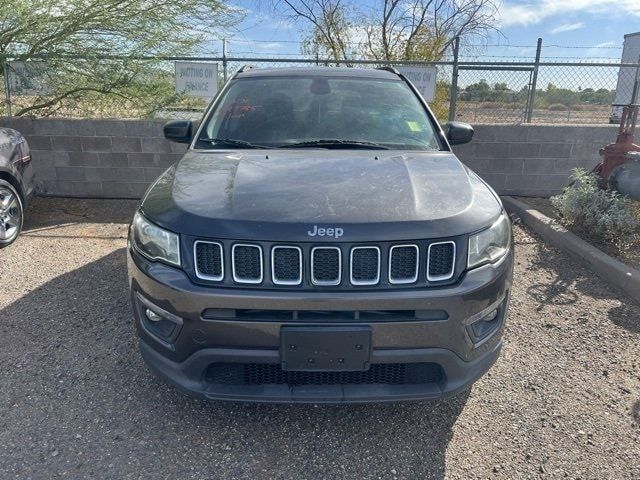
(403, 264)
(441, 261)
(272, 374)
(247, 263)
(326, 266)
(286, 265)
(209, 260)
(365, 265)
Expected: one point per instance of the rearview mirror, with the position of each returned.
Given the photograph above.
(180, 131)
(458, 132)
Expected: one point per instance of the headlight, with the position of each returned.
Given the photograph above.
(154, 242)
(490, 244)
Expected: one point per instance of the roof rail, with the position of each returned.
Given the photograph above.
(245, 67)
(389, 68)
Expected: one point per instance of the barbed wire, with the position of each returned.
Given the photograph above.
(472, 45)
(267, 54)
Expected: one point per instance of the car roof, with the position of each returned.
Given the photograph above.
(318, 72)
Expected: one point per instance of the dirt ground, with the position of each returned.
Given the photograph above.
(76, 400)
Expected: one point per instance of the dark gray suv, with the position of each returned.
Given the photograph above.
(17, 183)
(320, 242)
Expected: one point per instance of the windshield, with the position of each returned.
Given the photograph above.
(318, 112)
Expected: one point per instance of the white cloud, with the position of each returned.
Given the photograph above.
(518, 15)
(256, 45)
(535, 11)
(567, 27)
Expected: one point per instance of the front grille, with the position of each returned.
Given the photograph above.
(403, 264)
(247, 263)
(326, 266)
(411, 265)
(209, 260)
(273, 374)
(365, 265)
(441, 259)
(286, 264)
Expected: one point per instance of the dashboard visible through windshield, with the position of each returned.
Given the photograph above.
(319, 112)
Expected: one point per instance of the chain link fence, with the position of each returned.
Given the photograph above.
(471, 91)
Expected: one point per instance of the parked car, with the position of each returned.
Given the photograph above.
(16, 183)
(320, 242)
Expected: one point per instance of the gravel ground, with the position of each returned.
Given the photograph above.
(76, 400)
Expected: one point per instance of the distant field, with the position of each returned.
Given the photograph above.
(492, 112)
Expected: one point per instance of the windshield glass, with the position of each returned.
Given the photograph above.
(319, 112)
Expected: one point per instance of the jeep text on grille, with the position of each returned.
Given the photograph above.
(336, 232)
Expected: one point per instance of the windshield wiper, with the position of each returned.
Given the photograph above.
(232, 142)
(335, 144)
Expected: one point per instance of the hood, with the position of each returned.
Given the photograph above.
(283, 194)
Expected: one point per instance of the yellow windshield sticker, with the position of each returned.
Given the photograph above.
(414, 126)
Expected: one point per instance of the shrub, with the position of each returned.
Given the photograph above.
(557, 107)
(605, 213)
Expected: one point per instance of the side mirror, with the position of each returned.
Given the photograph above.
(180, 131)
(458, 132)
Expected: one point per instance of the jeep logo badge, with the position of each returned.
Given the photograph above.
(335, 232)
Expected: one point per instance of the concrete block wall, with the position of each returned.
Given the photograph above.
(533, 160)
(96, 158)
(120, 158)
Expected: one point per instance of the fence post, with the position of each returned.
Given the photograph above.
(534, 82)
(7, 86)
(636, 82)
(224, 59)
(6, 83)
(453, 96)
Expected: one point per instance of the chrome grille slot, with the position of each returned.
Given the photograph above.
(326, 266)
(365, 265)
(441, 261)
(286, 265)
(209, 261)
(247, 263)
(403, 264)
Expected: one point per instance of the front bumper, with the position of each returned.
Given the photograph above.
(209, 331)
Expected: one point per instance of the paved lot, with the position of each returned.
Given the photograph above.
(76, 401)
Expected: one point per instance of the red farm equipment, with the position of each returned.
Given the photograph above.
(620, 165)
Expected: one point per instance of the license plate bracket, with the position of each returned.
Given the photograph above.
(325, 348)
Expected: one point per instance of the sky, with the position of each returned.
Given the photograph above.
(570, 29)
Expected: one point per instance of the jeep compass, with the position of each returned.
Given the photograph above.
(319, 242)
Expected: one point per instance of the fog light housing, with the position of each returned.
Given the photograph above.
(485, 325)
(482, 325)
(151, 315)
(163, 326)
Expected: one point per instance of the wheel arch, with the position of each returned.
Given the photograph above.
(6, 176)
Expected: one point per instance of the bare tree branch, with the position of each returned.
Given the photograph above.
(393, 29)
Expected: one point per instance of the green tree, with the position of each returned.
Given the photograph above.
(103, 54)
(477, 91)
(602, 96)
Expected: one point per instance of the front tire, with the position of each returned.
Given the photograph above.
(11, 214)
